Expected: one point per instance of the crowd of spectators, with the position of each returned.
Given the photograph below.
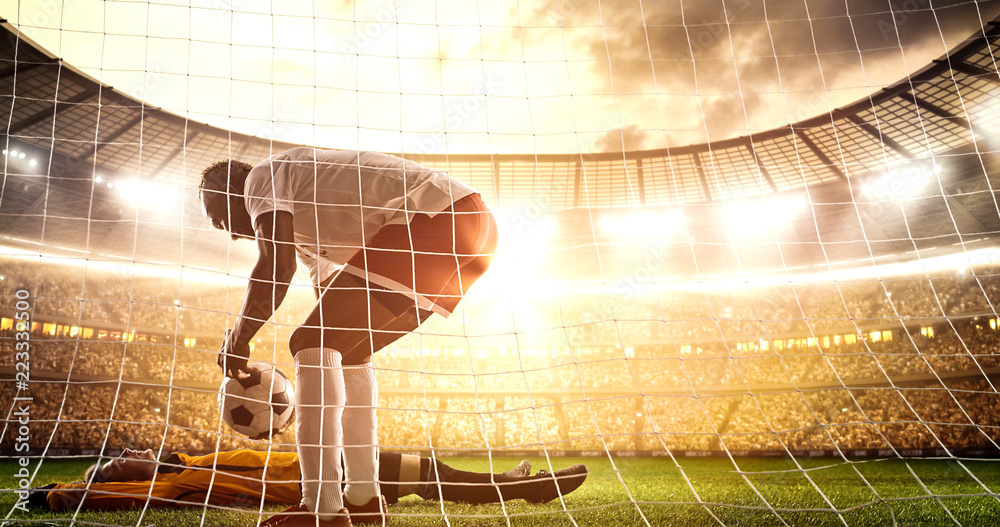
(87, 416)
(795, 366)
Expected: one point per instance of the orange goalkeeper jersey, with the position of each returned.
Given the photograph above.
(237, 478)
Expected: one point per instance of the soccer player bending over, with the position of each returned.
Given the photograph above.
(387, 242)
(241, 478)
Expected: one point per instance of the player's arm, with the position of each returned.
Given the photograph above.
(266, 289)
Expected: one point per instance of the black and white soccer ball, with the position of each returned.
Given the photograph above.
(258, 405)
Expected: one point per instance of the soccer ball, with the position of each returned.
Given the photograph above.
(259, 405)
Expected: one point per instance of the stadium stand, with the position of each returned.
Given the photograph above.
(848, 373)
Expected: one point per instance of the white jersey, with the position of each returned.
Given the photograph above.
(340, 199)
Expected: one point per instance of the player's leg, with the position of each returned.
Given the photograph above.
(454, 251)
(340, 322)
(444, 482)
(361, 461)
(382, 337)
(442, 256)
(425, 266)
(406, 474)
(320, 397)
(322, 390)
(393, 315)
(356, 317)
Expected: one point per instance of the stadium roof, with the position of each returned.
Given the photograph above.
(77, 136)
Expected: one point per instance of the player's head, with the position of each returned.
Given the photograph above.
(132, 465)
(221, 192)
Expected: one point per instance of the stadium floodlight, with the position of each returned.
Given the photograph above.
(147, 195)
(901, 182)
(20, 156)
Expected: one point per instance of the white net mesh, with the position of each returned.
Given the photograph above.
(747, 270)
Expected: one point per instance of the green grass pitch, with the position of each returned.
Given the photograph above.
(653, 491)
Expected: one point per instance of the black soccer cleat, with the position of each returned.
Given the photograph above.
(548, 486)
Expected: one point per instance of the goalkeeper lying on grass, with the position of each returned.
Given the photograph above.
(241, 477)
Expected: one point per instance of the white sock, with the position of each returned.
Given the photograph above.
(319, 407)
(361, 434)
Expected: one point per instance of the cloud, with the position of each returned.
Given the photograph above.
(745, 64)
(626, 139)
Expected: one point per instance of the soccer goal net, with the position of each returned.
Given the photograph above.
(747, 270)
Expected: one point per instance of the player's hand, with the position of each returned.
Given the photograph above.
(233, 357)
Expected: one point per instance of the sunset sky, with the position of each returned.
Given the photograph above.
(498, 76)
